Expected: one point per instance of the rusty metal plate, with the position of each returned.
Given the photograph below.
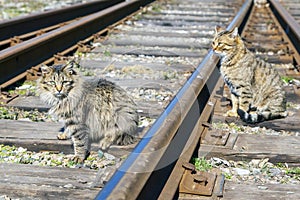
(15, 40)
(33, 74)
(199, 183)
(84, 48)
(6, 97)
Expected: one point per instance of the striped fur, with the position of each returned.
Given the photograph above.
(94, 110)
(256, 88)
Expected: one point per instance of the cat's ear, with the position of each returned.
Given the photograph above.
(218, 29)
(69, 68)
(45, 70)
(235, 32)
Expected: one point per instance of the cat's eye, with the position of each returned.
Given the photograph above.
(71, 72)
(67, 82)
(51, 82)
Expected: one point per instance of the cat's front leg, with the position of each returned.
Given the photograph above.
(81, 148)
(233, 111)
(245, 101)
(63, 136)
(67, 130)
(81, 142)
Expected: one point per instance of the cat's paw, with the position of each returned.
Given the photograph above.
(253, 117)
(62, 136)
(285, 114)
(104, 144)
(77, 159)
(231, 113)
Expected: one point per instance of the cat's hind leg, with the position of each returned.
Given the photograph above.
(125, 139)
(109, 138)
(274, 109)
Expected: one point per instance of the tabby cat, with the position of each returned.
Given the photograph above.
(256, 88)
(261, 3)
(94, 110)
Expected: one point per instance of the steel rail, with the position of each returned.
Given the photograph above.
(146, 170)
(21, 38)
(17, 59)
(288, 23)
(33, 22)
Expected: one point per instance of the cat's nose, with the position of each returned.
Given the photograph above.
(58, 88)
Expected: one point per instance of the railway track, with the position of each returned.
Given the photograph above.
(155, 55)
(292, 7)
(63, 38)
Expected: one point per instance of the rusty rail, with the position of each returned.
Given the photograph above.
(288, 23)
(17, 59)
(146, 172)
(33, 22)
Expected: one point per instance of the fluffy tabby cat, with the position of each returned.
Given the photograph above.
(256, 87)
(94, 110)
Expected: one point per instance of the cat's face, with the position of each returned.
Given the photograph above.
(225, 42)
(58, 80)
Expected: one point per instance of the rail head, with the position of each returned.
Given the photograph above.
(132, 175)
(288, 23)
(32, 22)
(21, 57)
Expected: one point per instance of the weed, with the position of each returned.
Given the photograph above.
(201, 164)
(228, 176)
(293, 170)
(286, 79)
(107, 53)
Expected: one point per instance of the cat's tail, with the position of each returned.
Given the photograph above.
(255, 117)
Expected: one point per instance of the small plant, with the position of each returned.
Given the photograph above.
(88, 73)
(156, 8)
(201, 164)
(16, 114)
(228, 176)
(294, 171)
(107, 53)
(7, 113)
(290, 171)
(280, 165)
(137, 17)
(236, 127)
(287, 79)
